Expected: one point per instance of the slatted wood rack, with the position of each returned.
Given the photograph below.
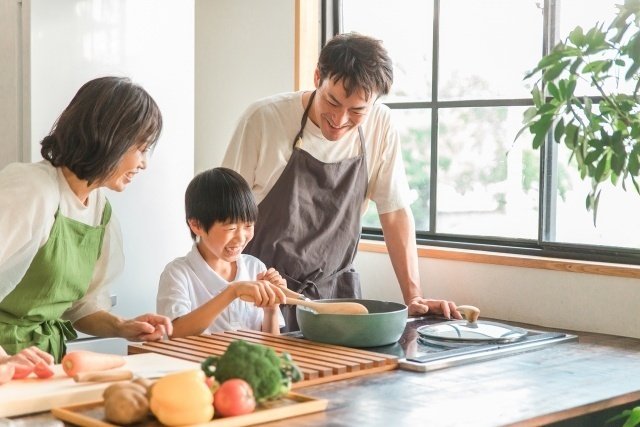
(318, 362)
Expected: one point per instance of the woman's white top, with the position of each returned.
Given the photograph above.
(30, 195)
(189, 282)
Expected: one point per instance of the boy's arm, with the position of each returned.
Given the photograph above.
(270, 321)
(198, 320)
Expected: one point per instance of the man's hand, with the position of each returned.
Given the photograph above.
(419, 306)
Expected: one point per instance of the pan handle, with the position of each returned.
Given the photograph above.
(469, 312)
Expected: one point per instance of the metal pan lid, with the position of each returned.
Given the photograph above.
(472, 332)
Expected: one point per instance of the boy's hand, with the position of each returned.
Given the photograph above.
(261, 292)
(272, 276)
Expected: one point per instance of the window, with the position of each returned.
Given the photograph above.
(458, 98)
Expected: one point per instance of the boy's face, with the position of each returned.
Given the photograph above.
(223, 242)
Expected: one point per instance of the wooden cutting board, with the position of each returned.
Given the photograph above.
(31, 394)
(318, 362)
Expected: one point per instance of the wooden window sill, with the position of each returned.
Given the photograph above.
(558, 264)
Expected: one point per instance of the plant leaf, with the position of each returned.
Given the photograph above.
(623, 414)
(554, 71)
(577, 36)
(559, 131)
(634, 418)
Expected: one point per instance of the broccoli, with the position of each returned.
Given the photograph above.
(270, 376)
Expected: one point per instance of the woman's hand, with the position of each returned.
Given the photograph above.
(29, 356)
(262, 293)
(148, 327)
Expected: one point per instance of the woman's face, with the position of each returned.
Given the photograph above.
(133, 161)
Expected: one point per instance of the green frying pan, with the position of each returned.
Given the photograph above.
(383, 324)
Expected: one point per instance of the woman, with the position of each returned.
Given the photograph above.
(61, 246)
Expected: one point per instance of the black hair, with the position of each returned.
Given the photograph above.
(219, 195)
(361, 62)
(105, 118)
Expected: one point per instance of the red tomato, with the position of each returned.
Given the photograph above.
(21, 371)
(234, 397)
(43, 370)
(6, 372)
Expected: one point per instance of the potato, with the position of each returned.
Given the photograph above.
(122, 385)
(126, 403)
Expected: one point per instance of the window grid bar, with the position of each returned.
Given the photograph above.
(433, 161)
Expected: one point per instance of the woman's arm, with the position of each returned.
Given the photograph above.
(147, 327)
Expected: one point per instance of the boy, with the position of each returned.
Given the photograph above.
(215, 287)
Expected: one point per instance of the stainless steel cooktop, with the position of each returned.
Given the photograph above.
(417, 354)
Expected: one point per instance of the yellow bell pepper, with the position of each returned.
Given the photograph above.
(182, 398)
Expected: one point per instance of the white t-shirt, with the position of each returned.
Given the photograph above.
(263, 142)
(189, 282)
(30, 194)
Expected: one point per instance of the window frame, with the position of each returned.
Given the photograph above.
(331, 17)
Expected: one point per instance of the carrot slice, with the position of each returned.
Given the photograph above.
(43, 370)
(21, 371)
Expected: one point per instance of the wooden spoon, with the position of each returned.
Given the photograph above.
(295, 298)
(329, 307)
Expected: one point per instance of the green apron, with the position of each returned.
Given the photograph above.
(58, 276)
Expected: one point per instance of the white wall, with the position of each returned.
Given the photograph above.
(10, 83)
(244, 51)
(152, 42)
(564, 300)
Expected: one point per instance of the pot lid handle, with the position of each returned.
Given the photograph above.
(469, 312)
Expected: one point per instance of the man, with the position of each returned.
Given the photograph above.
(313, 160)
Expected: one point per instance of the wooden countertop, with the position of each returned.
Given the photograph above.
(545, 386)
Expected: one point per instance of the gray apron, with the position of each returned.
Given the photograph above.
(308, 225)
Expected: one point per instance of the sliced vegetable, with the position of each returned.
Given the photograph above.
(43, 370)
(83, 361)
(21, 371)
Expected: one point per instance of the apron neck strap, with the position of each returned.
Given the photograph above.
(305, 116)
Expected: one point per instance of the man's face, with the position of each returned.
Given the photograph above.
(334, 112)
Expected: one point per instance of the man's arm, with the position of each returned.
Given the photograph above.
(398, 228)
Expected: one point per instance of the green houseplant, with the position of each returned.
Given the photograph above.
(604, 137)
